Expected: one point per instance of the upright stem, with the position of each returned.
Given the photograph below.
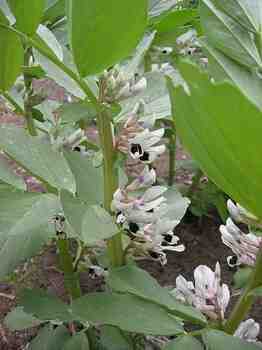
(115, 249)
(246, 300)
(28, 90)
(66, 262)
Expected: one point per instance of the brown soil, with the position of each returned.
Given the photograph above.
(203, 246)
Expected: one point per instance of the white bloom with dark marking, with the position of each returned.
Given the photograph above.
(248, 330)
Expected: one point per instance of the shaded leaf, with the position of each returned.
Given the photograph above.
(50, 339)
(55, 9)
(184, 343)
(37, 157)
(77, 342)
(176, 19)
(242, 276)
(127, 312)
(257, 292)
(8, 175)
(131, 279)
(73, 112)
(112, 338)
(18, 320)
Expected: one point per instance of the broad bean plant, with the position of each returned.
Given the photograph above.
(137, 74)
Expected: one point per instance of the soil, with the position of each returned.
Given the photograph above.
(201, 237)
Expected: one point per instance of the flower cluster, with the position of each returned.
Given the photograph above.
(141, 210)
(244, 246)
(119, 85)
(207, 294)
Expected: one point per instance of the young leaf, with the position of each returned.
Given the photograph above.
(24, 226)
(216, 340)
(55, 10)
(90, 222)
(18, 320)
(131, 279)
(103, 32)
(8, 176)
(45, 307)
(28, 14)
(127, 312)
(73, 112)
(37, 157)
(11, 58)
(89, 180)
(78, 341)
(176, 19)
(186, 342)
(222, 113)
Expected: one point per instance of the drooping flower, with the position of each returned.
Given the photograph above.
(244, 246)
(248, 330)
(240, 214)
(207, 293)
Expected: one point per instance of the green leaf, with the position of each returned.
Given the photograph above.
(24, 226)
(90, 222)
(28, 14)
(216, 340)
(176, 19)
(127, 312)
(112, 338)
(50, 339)
(89, 180)
(177, 204)
(6, 12)
(131, 279)
(37, 157)
(205, 116)
(45, 307)
(247, 13)
(222, 67)
(73, 112)
(18, 320)
(227, 35)
(77, 342)
(241, 277)
(157, 8)
(8, 175)
(54, 11)
(184, 343)
(103, 33)
(257, 292)
(11, 59)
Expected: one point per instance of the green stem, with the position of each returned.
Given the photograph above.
(246, 300)
(195, 182)
(12, 101)
(172, 158)
(115, 249)
(28, 88)
(66, 263)
(258, 41)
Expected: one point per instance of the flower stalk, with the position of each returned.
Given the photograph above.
(246, 300)
(115, 249)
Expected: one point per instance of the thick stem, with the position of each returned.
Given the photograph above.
(66, 263)
(246, 300)
(195, 182)
(115, 249)
(28, 91)
(172, 158)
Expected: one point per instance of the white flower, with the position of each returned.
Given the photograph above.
(248, 330)
(244, 246)
(144, 145)
(207, 294)
(146, 179)
(240, 214)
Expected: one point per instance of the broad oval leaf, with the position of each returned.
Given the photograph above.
(127, 312)
(50, 338)
(54, 10)
(103, 32)
(222, 129)
(18, 320)
(11, 58)
(227, 35)
(91, 223)
(186, 342)
(216, 340)
(131, 279)
(78, 341)
(24, 226)
(28, 14)
(89, 180)
(37, 157)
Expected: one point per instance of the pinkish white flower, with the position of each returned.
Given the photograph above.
(244, 246)
(240, 214)
(207, 293)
